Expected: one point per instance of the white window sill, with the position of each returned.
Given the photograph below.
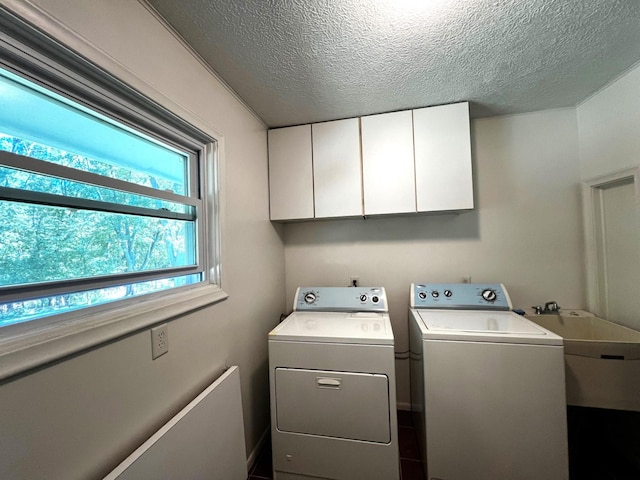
(32, 345)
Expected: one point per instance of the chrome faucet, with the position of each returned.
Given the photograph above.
(551, 307)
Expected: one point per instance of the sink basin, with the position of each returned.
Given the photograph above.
(602, 359)
(591, 336)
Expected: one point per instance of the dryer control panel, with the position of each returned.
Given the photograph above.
(341, 299)
(460, 296)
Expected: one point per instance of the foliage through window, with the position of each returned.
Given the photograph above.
(92, 210)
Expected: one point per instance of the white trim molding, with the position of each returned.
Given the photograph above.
(591, 203)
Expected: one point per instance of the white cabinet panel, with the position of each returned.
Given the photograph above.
(290, 173)
(387, 163)
(443, 158)
(398, 162)
(337, 176)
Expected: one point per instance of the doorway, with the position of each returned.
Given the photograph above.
(612, 221)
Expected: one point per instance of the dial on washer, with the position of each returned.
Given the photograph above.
(489, 295)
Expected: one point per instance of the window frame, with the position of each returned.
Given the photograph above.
(29, 52)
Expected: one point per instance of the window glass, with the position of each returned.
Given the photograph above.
(41, 124)
(92, 211)
(42, 243)
(33, 309)
(34, 182)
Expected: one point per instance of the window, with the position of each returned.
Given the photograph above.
(104, 196)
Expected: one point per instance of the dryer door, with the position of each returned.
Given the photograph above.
(333, 404)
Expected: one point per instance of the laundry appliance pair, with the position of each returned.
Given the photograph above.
(487, 387)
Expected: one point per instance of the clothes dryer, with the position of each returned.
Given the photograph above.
(333, 389)
(487, 386)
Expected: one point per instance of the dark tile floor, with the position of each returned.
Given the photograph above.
(603, 445)
(410, 465)
(411, 468)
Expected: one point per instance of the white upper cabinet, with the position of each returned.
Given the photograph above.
(337, 174)
(387, 163)
(290, 173)
(443, 158)
(401, 162)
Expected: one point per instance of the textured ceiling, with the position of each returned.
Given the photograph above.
(305, 61)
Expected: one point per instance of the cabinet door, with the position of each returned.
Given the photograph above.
(443, 158)
(387, 163)
(337, 177)
(290, 173)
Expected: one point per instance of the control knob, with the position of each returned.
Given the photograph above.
(422, 295)
(309, 297)
(489, 295)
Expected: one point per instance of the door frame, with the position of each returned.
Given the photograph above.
(594, 233)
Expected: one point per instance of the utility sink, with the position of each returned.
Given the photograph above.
(602, 359)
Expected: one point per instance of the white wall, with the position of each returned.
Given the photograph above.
(525, 231)
(609, 127)
(78, 418)
(609, 138)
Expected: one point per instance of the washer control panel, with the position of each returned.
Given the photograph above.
(347, 299)
(460, 296)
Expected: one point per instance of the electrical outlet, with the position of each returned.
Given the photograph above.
(159, 341)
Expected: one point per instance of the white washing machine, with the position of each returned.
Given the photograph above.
(487, 387)
(333, 388)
